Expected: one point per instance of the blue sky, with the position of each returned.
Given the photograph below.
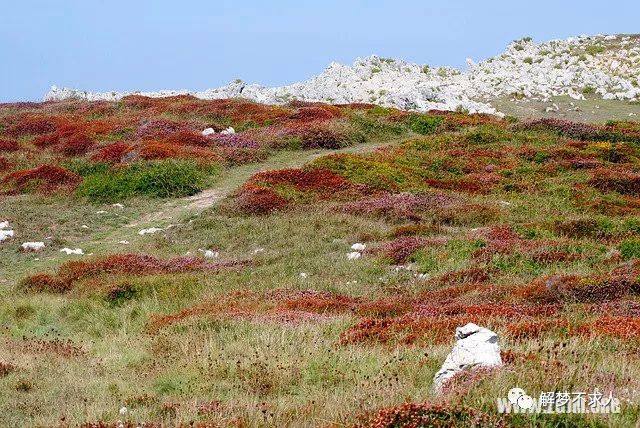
(148, 45)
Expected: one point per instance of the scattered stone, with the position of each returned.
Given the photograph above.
(32, 246)
(70, 251)
(358, 246)
(208, 131)
(475, 347)
(149, 231)
(354, 255)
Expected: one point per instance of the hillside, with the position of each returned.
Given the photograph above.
(606, 67)
(186, 262)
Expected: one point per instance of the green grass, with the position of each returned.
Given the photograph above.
(164, 179)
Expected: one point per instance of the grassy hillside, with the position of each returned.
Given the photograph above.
(244, 308)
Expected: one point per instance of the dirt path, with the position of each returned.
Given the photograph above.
(176, 210)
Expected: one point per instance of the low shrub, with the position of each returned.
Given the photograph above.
(113, 153)
(163, 179)
(9, 145)
(43, 178)
(258, 200)
(630, 249)
(423, 124)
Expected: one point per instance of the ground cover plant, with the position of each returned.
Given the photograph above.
(219, 286)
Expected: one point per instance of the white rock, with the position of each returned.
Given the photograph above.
(533, 70)
(4, 224)
(101, 212)
(118, 205)
(149, 231)
(209, 254)
(70, 251)
(5, 234)
(354, 255)
(123, 411)
(358, 246)
(303, 275)
(208, 131)
(124, 242)
(32, 246)
(475, 347)
(227, 131)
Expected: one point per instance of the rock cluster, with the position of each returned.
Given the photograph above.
(608, 66)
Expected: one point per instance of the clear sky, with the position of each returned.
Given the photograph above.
(197, 44)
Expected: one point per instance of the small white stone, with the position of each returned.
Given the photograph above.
(354, 255)
(358, 246)
(208, 131)
(32, 246)
(303, 275)
(227, 131)
(123, 411)
(149, 231)
(70, 251)
(123, 242)
(118, 206)
(5, 234)
(101, 212)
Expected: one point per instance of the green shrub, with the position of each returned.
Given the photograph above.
(423, 124)
(165, 178)
(630, 249)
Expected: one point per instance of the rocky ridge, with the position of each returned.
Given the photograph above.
(607, 66)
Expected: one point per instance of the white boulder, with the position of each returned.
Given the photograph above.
(208, 131)
(475, 347)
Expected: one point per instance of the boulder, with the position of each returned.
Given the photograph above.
(475, 347)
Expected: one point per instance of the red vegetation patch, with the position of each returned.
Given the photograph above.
(479, 183)
(401, 249)
(44, 283)
(402, 205)
(155, 150)
(315, 113)
(623, 182)
(32, 125)
(77, 144)
(412, 415)
(121, 264)
(258, 200)
(9, 145)
(187, 138)
(321, 181)
(627, 328)
(159, 128)
(4, 163)
(113, 153)
(46, 177)
(532, 329)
